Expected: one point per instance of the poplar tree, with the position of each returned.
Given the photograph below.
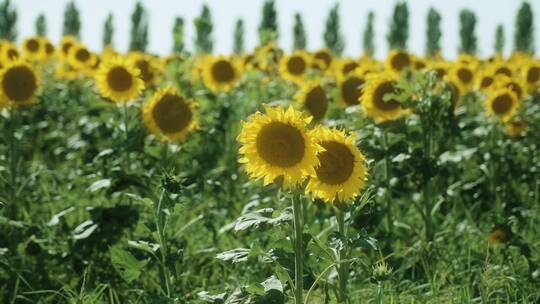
(268, 28)
(467, 21)
(299, 33)
(239, 37)
(399, 27)
(333, 38)
(178, 36)
(368, 43)
(433, 33)
(499, 39)
(524, 33)
(72, 21)
(139, 29)
(203, 29)
(41, 26)
(8, 21)
(108, 31)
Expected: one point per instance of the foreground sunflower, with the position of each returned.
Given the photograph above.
(313, 99)
(294, 67)
(18, 84)
(341, 174)
(168, 115)
(220, 74)
(502, 103)
(118, 80)
(276, 145)
(350, 90)
(375, 102)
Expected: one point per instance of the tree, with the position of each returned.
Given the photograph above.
(268, 28)
(524, 33)
(203, 29)
(299, 33)
(41, 26)
(8, 21)
(239, 37)
(333, 38)
(72, 22)
(178, 36)
(499, 39)
(399, 27)
(369, 35)
(108, 31)
(433, 41)
(139, 29)
(467, 21)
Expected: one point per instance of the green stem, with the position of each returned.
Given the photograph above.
(380, 293)
(162, 245)
(298, 248)
(125, 117)
(343, 267)
(427, 185)
(387, 196)
(13, 159)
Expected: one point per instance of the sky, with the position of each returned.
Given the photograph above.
(225, 12)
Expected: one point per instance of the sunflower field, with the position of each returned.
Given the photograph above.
(269, 175)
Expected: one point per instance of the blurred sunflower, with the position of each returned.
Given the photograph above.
(346, 66)
(65, 44)
(398, 60)
(220, 74)
(500, 234)
(118, 80)
(19, 83)
(515, 84)
(147, 65)
(313, 98)
(169, 115)
(485, 80)
(455, 92)
(80, 57)
(341, 174)
(464, 74)
(441, 68)
(375, 100)
(350, 90)
(323, 59)
(32, 49)
(48, 47)
(515, 128)
(9, 53)
(502, 103)
(294, 67)
(531, 75)
(277, 146)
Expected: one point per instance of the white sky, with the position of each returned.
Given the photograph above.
(225, 12)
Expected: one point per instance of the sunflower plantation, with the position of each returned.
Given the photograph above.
(268, 175)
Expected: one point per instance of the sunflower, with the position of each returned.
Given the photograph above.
(341, 174)
(346, 66)
(500, 234)
(9, 53)
(441, 68)
(515, 84)
(80, 57)
(485, 80)
(515, 128)
(147, 65)
(18, 83)
(168, 115)
(350, 90)
(464, 74)
(118, 80)
(313, 98)
(220, 74)
(531, 75)
(375, 102)
(323, 59)
(455, 92)
(47, 46)
(276, 145)
(398, 60)
(32, 49)
(501, 102)
(294, 67)
(65, 44)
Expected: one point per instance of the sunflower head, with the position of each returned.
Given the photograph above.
(346, 66)
(515, 128)
(323, 59)
(9, 53)
(118, 80)
(47, 46)
(149, 67)
(80, 57)
(513, 83)
(313, 99)
(531, 76)
(350, 89)
(500, 234)
(464, 74)
(377, 102)
(294, 67)
(19, 84)
(502, 103)
(33, 49)
(276, 146)
(65, 45)
(169, 115)
(398, 60)
(220, 73)
(341, 174)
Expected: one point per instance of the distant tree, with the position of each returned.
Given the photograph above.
(203, 28)
(499, 39)
(178, 36)
(524, 33)
(433, 41)
(369, 36)
(72, 22)
(333, 38)
(467, 21)
(399, 27)
(41, 26)
(108, 31)
(239, 37)
(139, 29)
(8, 21)
(299, 33)
(268, 28)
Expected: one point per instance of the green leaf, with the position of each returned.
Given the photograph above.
(126, 264)
(258, 218)
(100, 184)
(234, 256)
